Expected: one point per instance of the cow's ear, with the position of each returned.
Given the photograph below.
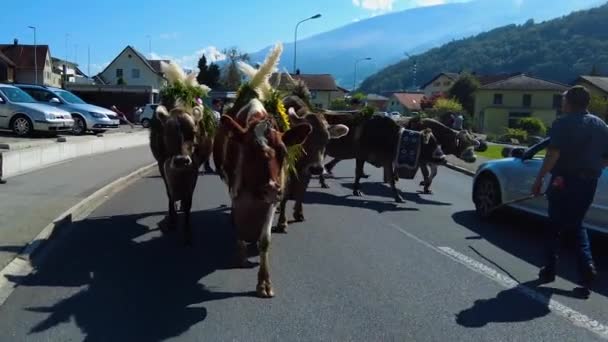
(232, 125)
(197, 113)
(297, 134)
(161, 113)
(337, 131)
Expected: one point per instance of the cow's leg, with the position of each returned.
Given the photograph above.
(298, 211)
(424, 168)
(392, 177)
(264, 287)
(282, 224)
(433, 168)
(322, 182)
(330, 166)
(358, 175)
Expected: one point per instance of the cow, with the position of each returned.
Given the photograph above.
(180, 145)
(250, 153)
(311, 160)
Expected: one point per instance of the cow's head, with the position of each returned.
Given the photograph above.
(180, 135)
(316, 142)
(461, 144)
(431, 149)
(262, 154)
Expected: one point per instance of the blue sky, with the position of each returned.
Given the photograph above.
(181, 31)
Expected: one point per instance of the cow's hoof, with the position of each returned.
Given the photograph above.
(299, 217)
(399, 199)
(357, 193)
(365, 176)
(324, 186)
(281, 228)
(264, 290)
(427, 192)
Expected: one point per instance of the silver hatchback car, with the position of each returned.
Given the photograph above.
(23, 115)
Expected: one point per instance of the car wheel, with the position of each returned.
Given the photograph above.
(145, 123)
(486, 195)
(80, 126)
(22, 126)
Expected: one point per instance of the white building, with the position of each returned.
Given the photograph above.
(131, 68)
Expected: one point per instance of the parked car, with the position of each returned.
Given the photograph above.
(23, 115)
(503, 180)
(146, 114)
(86, 117)
(395, 115)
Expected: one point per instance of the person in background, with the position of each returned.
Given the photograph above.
(121, 116)
(458, 122)
(576, 157)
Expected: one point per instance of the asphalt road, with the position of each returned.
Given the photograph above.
(357, 270)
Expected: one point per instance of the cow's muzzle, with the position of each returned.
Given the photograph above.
(469, 155)
(181, 162)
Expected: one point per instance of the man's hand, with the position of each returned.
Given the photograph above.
(537, 187)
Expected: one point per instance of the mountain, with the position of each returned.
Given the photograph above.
(386, 38)
(559, 50)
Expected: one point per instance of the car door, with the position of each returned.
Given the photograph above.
(5, 112)
(597, 215)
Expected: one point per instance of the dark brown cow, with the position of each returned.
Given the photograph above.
(180, 145)
(311, 161)
(249, 154)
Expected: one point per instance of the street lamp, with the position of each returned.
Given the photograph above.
(414, 71)
(295, 39)
(35, 55)
(357, 62)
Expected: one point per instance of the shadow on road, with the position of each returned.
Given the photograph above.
(523, 236)
(133, 284)
(315, 197)
(379, 189)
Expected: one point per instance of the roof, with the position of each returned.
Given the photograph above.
(157, 63)
(488, 79)
(598, 81)
(22, 56)
(525, 82)
(410, 101)
(61, 61)
(138, 54)
(376, 97)
(317, 82)
(451, 75)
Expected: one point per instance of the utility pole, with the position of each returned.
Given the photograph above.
(355, 78)
(295, 39)
(35, 55)
(89, 60)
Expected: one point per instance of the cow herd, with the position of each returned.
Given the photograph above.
(251, 150)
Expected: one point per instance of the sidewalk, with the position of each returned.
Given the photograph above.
(31, 201)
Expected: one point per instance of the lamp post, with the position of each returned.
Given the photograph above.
(35, 55)
(357, 62)
(295, 39)
(414, 70)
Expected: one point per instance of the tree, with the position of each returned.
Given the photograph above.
(203, 70)
(599, 107)
(121, 81)
(232, 76)
(339, 104)
(213, 74)
(429, 103)
(463, 91)
(444, 107)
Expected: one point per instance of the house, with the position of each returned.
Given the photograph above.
(7, 69)
(26, 68)
(597, 85)
(377, 101)
(501, 104)
(439, 84)
(74, 74)
(323, 87)
(131, 68)
(405, 103)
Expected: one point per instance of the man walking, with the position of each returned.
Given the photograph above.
(121, 116)
(576, 156)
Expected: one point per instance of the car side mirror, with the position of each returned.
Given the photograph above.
(54, 100)
(515, 152)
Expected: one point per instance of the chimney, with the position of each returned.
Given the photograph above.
(15, 41)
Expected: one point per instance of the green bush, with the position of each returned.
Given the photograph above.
(339, 104)
(533, 126)
(514, 133)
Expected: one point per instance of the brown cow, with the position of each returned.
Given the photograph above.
(249, 154)
(311, 161)
(180, 145)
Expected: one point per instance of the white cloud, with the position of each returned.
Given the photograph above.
(190, 61)
(169, 35)
(375, 5)
(383, 6)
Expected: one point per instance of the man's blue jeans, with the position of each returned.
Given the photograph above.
(567, 209)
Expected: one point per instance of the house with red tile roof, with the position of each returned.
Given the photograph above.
(19, 60)
(405, 103)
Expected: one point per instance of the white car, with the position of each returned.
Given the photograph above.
(146, 114)
(504, 180)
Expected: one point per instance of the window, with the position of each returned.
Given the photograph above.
(313, 94)
(39, 95)
(515, 117)
(527, 100)
(118, 72)
(447, 84)
(134, 73)
(437, 84)
(497, 99)
(318, 106)
(557, 101)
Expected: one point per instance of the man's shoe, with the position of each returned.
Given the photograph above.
(546, 274)
(589, 273)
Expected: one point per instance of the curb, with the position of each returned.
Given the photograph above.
(21, 265)
(460, 169)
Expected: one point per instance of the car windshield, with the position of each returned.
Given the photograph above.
(17, 95)
(69, 97)
(538, 151)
